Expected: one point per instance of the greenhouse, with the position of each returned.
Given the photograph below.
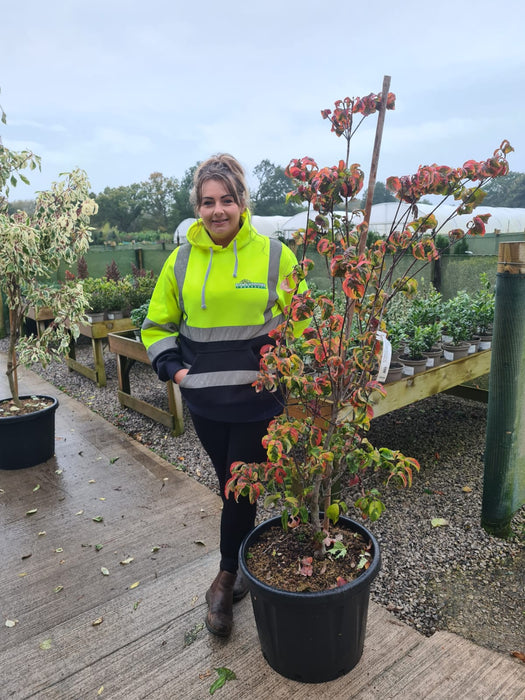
(503, 220)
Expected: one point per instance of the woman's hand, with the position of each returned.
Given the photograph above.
(179, 376)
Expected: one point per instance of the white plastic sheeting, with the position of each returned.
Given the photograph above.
(502, 220)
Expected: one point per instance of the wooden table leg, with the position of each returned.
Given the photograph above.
(175, 404)
(98, 356)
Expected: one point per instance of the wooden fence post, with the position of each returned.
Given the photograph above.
(504, 476)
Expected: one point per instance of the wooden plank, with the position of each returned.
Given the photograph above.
(126, 345)
(433, 381)
(147, 409)
(129, 350)
(84, 370)
(448, 666)
(100, 329)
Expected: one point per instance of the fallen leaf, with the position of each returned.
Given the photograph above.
(79, 512)
(127, 561)
(518, 655)
(191, 635)
(156, 548)
(36, 488)
(2, 491)
(32, 511)
(134, 585)
(113, 460)
(466, 489)
(203, 544)
(98, 547)
(101, 499)
(58, 589)
(59, 549)
(10, 623)
(194, 599)
(100, 690)
(438, 522)
(58, 471)
(92, 481)
(41, 533)
(46, 644)
(225, 674)
(98, 621)
(24, 573)
(104, 571)
(136, 604)
(98, 519)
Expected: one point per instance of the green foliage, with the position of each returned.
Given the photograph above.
(483, 305)
(139, 314)
(381, 194)
(326, 373)
(32, 247)
(225, 674)
(270, 197)
(458, 319)
(119, 207)
(508, 191)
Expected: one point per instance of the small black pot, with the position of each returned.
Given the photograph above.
(28, 440)
(311, 637)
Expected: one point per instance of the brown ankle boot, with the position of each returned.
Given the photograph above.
(240, 587)
(219, 597)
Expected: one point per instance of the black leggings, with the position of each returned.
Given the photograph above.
(226, 443)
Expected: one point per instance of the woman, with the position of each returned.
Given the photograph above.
(217, 298)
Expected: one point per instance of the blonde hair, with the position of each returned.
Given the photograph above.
(226, 169)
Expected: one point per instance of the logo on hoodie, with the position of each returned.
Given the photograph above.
(247, 284)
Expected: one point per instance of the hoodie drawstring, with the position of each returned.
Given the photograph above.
(203, 292)
(236, 258)
(203, 298)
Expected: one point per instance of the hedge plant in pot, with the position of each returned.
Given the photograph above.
(97, 297)
(31, 250)
(458, 320)
(483, 303)
(420, 340)
(138, 317)
(310, 594)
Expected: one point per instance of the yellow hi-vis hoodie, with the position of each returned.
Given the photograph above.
(211, 312)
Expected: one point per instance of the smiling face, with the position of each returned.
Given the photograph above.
(220, 212)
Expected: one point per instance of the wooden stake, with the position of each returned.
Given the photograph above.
(375, 160)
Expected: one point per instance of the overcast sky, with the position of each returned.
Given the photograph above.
(123, 88)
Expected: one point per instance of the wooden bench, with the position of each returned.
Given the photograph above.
(129, 350)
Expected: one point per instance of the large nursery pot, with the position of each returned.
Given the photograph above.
(29, 439)
(311, 637)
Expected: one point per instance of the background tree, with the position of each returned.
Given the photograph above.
(119, 207)
(27, 205)
(159, 197)
(182, 196)
(507, 191)
(270, 197)
(381, 194)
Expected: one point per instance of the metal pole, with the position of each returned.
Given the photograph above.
(504, 476)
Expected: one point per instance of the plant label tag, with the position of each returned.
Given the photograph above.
(386, 356)
(409, 371)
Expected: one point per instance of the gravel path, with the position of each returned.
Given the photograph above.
(454, 577)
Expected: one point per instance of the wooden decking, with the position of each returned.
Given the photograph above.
(53, 586)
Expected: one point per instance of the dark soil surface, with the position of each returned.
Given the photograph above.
(287, 560)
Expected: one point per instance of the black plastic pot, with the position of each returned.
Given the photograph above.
(29, 439)
(311, 637)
